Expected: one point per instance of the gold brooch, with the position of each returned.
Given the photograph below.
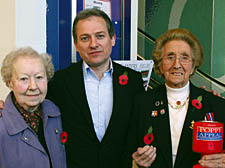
(192, 124)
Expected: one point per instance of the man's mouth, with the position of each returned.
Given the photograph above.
(94, 52)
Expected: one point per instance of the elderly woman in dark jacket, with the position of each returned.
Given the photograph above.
(30, 125)
(164, 115)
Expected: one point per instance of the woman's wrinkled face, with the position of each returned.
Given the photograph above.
(29, 82)
(177, 64)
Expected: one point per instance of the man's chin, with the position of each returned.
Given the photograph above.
(97, 63)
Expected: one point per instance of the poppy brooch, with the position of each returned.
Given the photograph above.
(148, 138)
(197, 102)
(63, 137)
(123, 78)
(198, 105)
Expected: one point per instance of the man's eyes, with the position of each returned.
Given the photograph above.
(97, 36)
(100, 36)
(84, 38)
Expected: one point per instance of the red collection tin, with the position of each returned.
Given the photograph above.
(207, 137)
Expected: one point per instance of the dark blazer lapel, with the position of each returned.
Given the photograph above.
(77, 91)
(122, 100)
(117, 92)
(193, 114)
(117, 88)
(161, 125)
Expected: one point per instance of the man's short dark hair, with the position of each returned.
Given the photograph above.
(86, 13)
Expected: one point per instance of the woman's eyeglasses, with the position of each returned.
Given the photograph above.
(170, 59)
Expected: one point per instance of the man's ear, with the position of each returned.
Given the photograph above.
(113, 39)
(75, 44)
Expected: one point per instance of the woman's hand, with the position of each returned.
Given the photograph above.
(145, 156)
(212, 91)
(213, 161)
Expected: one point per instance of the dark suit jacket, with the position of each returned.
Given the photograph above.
(83, 149)
(147, 102)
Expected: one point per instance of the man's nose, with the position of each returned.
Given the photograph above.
(93, 42)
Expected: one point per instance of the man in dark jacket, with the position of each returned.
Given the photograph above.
(95, 96)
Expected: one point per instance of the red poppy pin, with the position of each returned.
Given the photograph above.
(63, 137)
(197, 166)
(148, 138)
(123, 78)
(197, 102)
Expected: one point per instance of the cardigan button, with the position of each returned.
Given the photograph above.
(56, 131)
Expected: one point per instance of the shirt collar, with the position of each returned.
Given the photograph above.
(87, 69)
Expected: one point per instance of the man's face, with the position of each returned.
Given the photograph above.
(93, 41)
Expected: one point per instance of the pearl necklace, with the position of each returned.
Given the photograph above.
(178, 104)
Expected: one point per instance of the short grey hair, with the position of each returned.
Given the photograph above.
(7, 65)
